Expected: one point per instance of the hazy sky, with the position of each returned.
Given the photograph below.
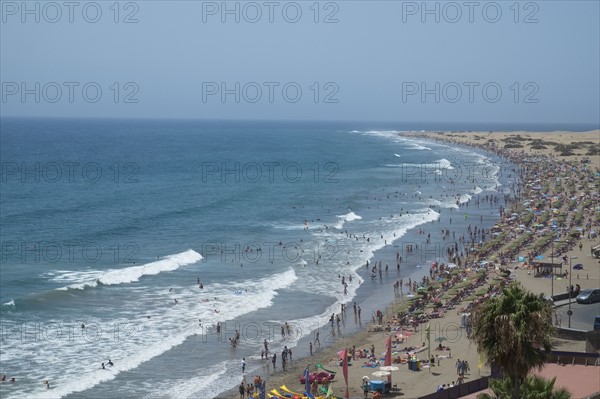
(505, 61)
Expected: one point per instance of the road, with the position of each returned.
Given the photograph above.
(582, 317)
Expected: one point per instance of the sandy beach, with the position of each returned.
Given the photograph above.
(553, 219)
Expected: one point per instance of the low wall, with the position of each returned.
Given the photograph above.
(562, 297)
(571, 334)
(592, 341)
(460, 390)
(563, 357)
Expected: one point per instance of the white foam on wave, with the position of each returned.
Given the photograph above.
(391, 135)
(9, 303)
(82, 279)
(444, 164)
(415, 146)
(448, 202)
(168, 327)
(382, 132)
(434, 167)
(349, 217)
(290, 227)
(477, 190)
(203, 385)
(464, 198)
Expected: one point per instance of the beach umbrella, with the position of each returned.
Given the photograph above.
(381, 373)
(440, 339)
(389, 368)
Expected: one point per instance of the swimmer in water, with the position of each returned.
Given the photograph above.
(110, 363)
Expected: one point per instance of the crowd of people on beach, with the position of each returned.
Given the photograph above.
(549, 198)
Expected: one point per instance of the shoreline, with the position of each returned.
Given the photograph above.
(451, 322)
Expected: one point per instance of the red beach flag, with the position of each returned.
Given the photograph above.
(345, 371)
(388, 356)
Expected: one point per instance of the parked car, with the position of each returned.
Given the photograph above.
(597, 323)
(589, 295)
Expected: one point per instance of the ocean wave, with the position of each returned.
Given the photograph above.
(83, 279)
(464, 198)
(391, 135)
(349, 217)
(415, 146)
(199, 386)
(444, 163)
(150, 340)
(290, 227)
(435, 166)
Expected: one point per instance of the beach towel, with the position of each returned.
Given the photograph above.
(371, 365)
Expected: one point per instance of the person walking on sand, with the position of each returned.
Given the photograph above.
(365, 388)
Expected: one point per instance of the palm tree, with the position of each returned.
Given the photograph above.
(514, 331)
(537, 387)
(533, 387)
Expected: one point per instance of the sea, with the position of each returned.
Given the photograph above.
(129, 240)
